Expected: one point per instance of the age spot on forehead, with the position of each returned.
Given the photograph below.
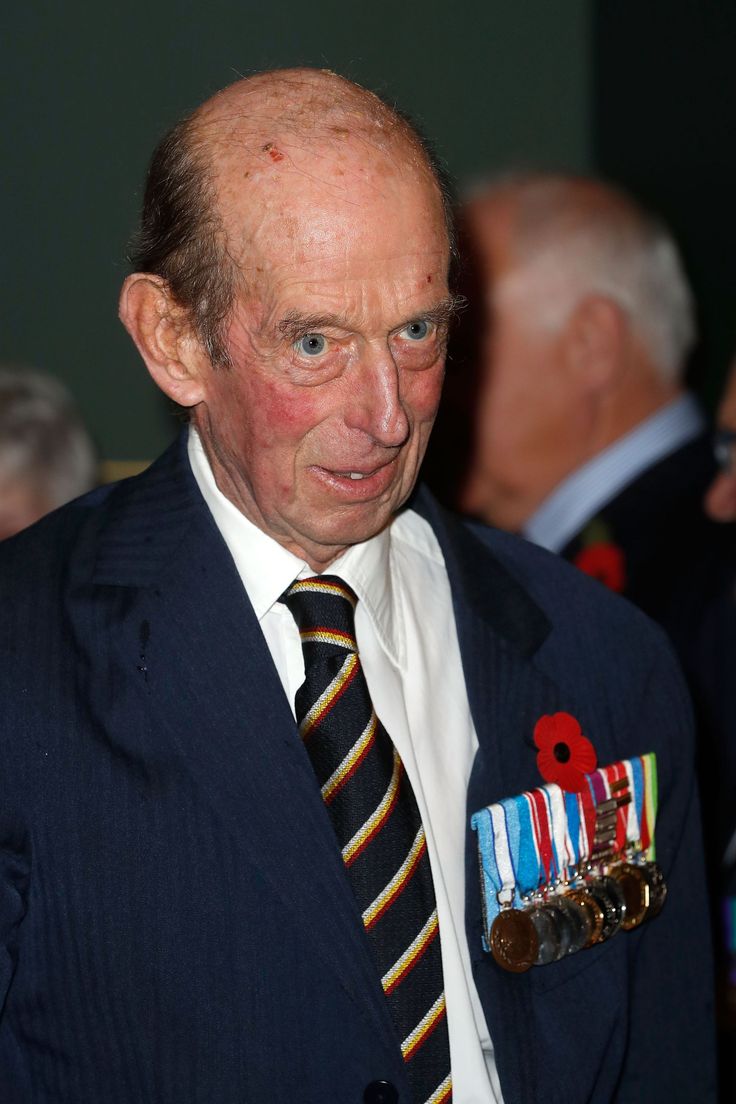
(273, 152)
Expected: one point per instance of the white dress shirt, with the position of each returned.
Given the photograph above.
(409, 650)
(578, 498)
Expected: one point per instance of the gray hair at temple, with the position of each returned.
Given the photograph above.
(43, 441)
(572, 237)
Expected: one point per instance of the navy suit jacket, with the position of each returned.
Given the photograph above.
(176, 926)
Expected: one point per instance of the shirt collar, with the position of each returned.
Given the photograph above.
(579, 497)
(367, 568)
(267, 568)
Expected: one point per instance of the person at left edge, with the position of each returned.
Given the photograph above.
(176, 922)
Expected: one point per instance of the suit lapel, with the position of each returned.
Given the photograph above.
(193, 663)
(500, 629)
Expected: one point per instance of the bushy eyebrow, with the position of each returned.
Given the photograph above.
(295, 324)
(444, 312)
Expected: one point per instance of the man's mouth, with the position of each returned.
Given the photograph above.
(369, 480)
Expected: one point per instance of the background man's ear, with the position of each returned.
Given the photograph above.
(163, 335)
(597, 333)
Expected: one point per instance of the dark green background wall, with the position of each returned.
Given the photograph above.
(663, 114)
(89, 87)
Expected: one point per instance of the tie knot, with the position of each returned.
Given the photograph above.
(324, 610)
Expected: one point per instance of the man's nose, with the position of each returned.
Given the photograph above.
(376, 405)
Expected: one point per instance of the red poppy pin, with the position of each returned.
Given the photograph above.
(565, 756)
(604, 562)
(600, 556)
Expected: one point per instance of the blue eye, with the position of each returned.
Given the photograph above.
(417, 331)
(312, 345)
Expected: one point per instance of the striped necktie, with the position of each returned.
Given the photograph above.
(378, 827)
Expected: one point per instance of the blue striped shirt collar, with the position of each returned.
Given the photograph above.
(581, 495)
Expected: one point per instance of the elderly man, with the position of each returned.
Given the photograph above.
(222, 878)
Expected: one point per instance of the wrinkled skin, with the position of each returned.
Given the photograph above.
(348, 263)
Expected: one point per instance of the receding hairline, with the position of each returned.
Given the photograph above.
(299, 101)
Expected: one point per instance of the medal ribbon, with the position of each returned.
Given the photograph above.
(614, 773)
(599, 791)
(507, 892)
(558, 822)
(598, 786)
(587, 802)
(636, 788)
(513, 835)
(528, 868)
(490, 880)
(649, 764)
(541, 827)
(575, 845)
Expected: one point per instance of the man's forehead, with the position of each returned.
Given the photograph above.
(292, 205)
(276, 169)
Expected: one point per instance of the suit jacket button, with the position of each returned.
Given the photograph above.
(380, 1092)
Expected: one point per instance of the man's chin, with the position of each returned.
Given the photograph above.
(331, 540)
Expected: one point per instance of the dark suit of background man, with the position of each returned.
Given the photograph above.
(177, 923)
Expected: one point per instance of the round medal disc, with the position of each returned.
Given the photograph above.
(635, 888)
(593, 911)
(550, 948)
(563, 924)
(657, 888)
(513, 940)
(609, 895)
(581, 925)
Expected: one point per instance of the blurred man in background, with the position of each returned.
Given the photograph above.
(46, 455)
(580, 411)
(580, 433)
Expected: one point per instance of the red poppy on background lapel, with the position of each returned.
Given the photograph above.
(565, 756)
(605, 562)
(600, 556)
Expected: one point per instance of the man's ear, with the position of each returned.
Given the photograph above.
(595, 343)
(162, 331)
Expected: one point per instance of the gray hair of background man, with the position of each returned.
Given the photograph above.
(42, 438)
(181, 235)
(565, 249)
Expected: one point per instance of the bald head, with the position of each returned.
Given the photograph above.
(241, 157)
(303, 105)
